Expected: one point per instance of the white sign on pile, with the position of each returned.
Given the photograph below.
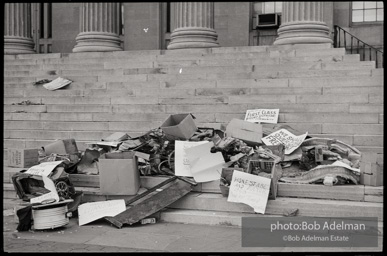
(283, 136)
(43, 169)
(89, 212)
(182, 167)
(249, 189)
(262, 116)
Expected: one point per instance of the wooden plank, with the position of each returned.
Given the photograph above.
(340, 192)
(169, 194)
(82, 180)
(306, 207)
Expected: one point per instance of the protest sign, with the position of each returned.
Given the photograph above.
(249, 189)
(262, 115)
(283, 136)
(182, 167)
(205, 166)
(89, 212)
(43, 169)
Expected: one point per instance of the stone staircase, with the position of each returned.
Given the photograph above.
(317, 88)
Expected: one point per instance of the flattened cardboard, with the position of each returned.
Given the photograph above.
(179, 126)
(23, 158)
(250, 133)
(62, 147)
(118, 174)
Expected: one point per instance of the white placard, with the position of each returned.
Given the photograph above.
(249, 189)
(43, 169)
(283, 136)
(89, 212)
(182, 167)
(205, 166)
(53, 194)
(262, 116)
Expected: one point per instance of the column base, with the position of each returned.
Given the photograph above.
(303, 33)
(18, 45)
(189, 37)
(97, 42)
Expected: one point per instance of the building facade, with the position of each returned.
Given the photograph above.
(77, 27)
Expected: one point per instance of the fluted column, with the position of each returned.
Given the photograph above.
(302, 23)
(194, 26)
(17, 29)
(99, 28)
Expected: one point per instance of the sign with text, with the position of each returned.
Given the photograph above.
(262, 116)
(283, 136)
(43, 169)
(249, 189)
(89, 212)
(182, 167)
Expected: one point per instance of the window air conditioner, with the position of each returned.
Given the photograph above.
(271, 20)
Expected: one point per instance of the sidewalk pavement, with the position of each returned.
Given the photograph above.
(101, 236)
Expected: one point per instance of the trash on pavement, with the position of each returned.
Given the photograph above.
(283, 136)
(249, 189)
(150, 202)
(43, 81)
(182, 166)
(118, 173)
(204, 165)
(57, 84)
(89, 212)
(51, 215)
(67, 146)
(179, 126)
(88, 163)
(225, 180)
(250, 133)
(23, 158)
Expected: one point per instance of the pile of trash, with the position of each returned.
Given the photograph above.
(242, 153)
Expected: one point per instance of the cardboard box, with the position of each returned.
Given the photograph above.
(23, 158)
(250, 133)
(179, 126)
(62, 147)
(118, 174)
(271, 167)
(371, 171)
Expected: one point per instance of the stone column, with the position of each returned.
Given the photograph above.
(194, 26)
(17, 29)
(302, 23)
(99, 28)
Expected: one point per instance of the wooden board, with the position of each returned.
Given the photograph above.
(169, 193)
(340, 192)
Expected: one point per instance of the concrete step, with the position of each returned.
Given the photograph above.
(359, 193)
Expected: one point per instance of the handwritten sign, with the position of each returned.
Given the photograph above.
(43, 169)
(89, 212)
(249, 189)
(283, 136)
(262, 116)
(53, 194)
(182, 167)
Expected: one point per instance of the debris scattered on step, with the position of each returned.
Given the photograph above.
(57, 84)
(290, 212)
(43, 81)
(27, 102)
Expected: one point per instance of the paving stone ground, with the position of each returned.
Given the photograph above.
(163, 237)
